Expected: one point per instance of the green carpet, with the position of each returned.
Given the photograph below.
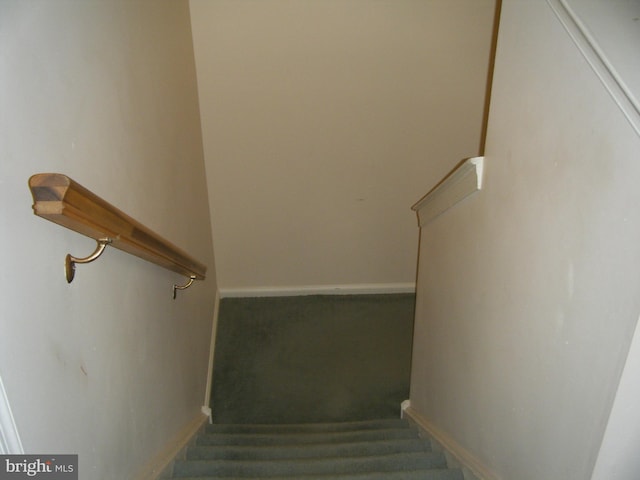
(319, 358)
(379, 449)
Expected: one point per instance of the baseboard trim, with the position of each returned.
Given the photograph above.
(471, 466)
(292, 291)
(214, 328)
(161, 465)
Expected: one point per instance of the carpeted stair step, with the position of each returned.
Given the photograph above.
(388, 423)
(313, 466)
(379, 449)
(265, 439)
(319, 450)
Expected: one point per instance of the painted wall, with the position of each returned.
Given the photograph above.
(109, 367)
(528, 291)
(322, 123)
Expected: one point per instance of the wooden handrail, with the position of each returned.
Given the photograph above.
(61, 200)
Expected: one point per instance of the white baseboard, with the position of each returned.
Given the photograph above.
(161, 465)
(214, 328)
(291, 291)
(457, 456)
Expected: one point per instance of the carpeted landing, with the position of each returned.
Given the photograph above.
(378, 449)
(317, 358)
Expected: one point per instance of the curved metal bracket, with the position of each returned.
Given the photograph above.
(183, 287)
(70, 261)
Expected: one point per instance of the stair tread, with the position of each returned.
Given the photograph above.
(306, 437)
(307, 427)
(242, 452)
(332, 465)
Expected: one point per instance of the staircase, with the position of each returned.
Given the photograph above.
(376, 449)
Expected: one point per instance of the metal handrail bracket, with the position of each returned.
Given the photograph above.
(63, 201)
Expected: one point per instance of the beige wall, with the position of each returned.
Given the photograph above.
(528, 291)
(109, 367)
(324, 121)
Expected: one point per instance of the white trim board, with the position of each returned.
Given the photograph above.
(294, 291)
(461, 182)
(206, 409)
(472, 467)
(161, 465)
(10, 443)
(598, 61)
